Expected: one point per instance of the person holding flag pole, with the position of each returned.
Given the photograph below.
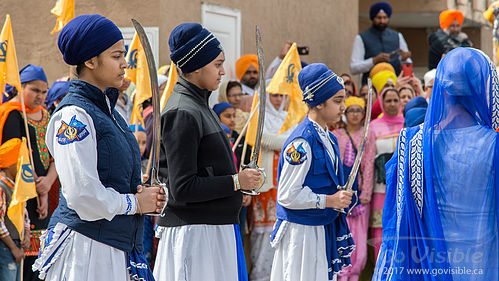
(16, 186)
(96, 231)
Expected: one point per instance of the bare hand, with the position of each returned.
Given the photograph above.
(405, 55)
(365, 201)
(149, 199)
(43, 208)
(26, 243)
(43, 185)
(340, 200)
(18, 254)
(382, 57)
(285, 49)
(403, 80)
(416, 85)
(249, 179)
(246, 200)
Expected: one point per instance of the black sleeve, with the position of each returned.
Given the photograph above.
(13, 127)
(181, 139)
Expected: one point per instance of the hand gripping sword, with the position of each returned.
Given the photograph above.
(261, 116)
(155, 105)
(355, 168)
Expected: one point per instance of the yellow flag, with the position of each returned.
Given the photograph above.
(172, 80)
(138, 72)
(64, 10)
(285, 81)
(24, 189)
(9, 72)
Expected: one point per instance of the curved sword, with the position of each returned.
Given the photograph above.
(355, 168)
(151, 65)
(261, 115)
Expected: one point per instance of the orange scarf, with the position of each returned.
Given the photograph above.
(7, 108)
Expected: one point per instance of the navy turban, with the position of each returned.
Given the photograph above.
(220, 107)
(415, 111)
(193, 46)
(31, 73)
(380, 6)
(57, 91)
(318, 83)
(85, 37)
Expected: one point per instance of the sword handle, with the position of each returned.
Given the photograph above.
(343, 211)
(263, 178)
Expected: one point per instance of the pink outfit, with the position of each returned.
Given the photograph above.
(359, 224)
(385, 129)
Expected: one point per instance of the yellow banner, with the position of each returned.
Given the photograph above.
(64, 10)
(24, 189)
(172, 80)
(9, 72)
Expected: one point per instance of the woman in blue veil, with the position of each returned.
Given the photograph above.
(440, 215)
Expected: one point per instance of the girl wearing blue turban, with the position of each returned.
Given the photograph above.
(441, 209)
(199, 231)
(96, 231)
(311, 238)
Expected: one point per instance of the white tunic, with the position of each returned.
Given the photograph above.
(76, 165)
(197, 252)
(301, 249)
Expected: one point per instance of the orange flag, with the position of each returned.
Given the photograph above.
(9, 72)
(138, 72)
(64, 10)
(172, 80)
(24, 189)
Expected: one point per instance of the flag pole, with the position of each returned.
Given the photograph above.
(245, 128)
(31, 162)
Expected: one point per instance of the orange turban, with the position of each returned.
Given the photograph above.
(448, 16)
(244, 62)
(9, 151)
(381, 67)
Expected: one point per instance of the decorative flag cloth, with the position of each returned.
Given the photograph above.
(64, 10)
(285, 82)
(24, 189)
(9, 72)
(172, 80)
(138, 72)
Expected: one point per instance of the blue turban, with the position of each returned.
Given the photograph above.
(140, 129)
(415, 111)
(31, 73)
(220, 107)
(193, 46)
(318, 83)
(380, 6)
(57, 91)
(85, 37)
(226, 129)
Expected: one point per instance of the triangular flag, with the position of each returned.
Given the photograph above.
(138, 72)
(253, 123)
(24, 189)
(9, 72)
(172, 80)
(64, 10)
(285, 82)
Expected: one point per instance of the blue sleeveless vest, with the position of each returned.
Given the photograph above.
(376, 42)
(321, 178)
(118, 165)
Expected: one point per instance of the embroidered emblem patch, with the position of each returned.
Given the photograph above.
(74, 131)
(296, 156)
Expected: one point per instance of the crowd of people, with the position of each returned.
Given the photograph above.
(91, 166)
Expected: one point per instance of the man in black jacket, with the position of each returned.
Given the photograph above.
(200, 237)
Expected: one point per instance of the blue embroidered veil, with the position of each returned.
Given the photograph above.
(440, 215)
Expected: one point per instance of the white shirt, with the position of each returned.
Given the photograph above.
(247, 90)
(76, 165)
(291, 192)
(360, 65)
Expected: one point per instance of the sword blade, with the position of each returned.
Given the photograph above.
(353, 174)
(155, 100)
(262, 97)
